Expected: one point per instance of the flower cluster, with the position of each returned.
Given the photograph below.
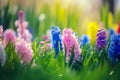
(9, 35)
(1, 30)
(45, 43)
(2, 55)
(22, 45)
(111, 32)
(22, 25)
(101, 39)
(25, 51)
(92, 31)
(114, 48)
(70, 41)
(118, 28)
(56, 39)
(85, 40)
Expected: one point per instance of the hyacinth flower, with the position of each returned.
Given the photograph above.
(111, 32)
(9, 35)
(85, 40)
(2, 55)
(24, 50)
(42, 17)
(22, 25)
(114, 49)
(1, 30)
(101, 39)
(71, 42)
(45, 43)
(56, 39)
(92, 31)
(118, 28)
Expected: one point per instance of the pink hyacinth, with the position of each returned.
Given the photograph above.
(24, 35)
(45, 44)
(1, 30)
(22, 25)
(9, 35)
(48, 46)
(70, 41)
(25, 51)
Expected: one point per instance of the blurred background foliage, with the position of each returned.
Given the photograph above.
(41, 14)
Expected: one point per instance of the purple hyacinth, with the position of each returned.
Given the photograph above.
(101, 39)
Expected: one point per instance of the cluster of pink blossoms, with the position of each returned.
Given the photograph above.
(23, 45)
(22, 25)
(25, 50)
(45, 43)
(70, 41)
(23, 41)
(1, 30)
(9, 35)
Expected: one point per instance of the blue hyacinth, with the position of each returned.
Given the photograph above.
(114, 48)
(85, 40)
(56, 39)
(111, 32)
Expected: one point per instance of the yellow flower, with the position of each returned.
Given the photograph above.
(115, 27)
(92, 30)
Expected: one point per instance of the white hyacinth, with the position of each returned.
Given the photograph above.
(42, 17)
(2, 55)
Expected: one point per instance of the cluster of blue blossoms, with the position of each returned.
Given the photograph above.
(85, 40)
(56, 39)
(114, 48)
(111, 32)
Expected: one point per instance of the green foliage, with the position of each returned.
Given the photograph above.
(12, 62)
(95, 66)
(104, 11)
